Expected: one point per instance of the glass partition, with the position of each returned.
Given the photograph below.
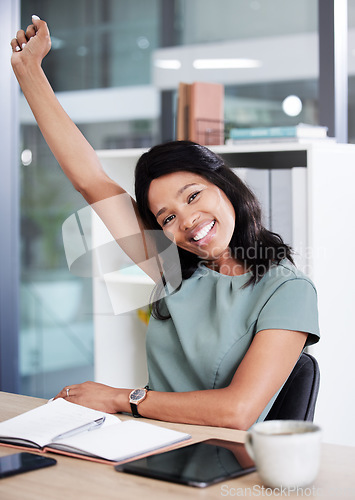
(96, 44)
(56, 336)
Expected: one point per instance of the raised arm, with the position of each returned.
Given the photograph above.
(73, 152)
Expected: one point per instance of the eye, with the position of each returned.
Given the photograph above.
(168, 219)
(193, 196)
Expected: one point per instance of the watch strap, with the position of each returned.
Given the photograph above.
(134, 409)
(134, 406)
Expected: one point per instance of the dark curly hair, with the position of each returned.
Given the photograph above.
(251, 243)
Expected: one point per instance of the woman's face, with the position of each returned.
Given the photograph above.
(194, 213)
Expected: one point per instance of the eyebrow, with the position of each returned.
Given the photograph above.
(180, 191)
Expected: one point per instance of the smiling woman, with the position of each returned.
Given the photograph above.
(235, 319)
(220, 346)
(187, 190)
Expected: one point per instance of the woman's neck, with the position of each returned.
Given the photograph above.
(228, 265)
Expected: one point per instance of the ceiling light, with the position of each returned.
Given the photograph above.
(26, 157)
(167, 63)
(292, 105)
(226, 63)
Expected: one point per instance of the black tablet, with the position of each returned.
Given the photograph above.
(200, 464)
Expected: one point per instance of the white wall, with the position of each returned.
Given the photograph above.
(332, 242)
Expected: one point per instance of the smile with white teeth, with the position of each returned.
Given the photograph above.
(204, 231)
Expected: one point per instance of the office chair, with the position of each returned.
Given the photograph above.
(297, 398)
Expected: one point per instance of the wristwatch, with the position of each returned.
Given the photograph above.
(136, 397)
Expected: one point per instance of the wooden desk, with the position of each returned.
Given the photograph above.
(80, 479)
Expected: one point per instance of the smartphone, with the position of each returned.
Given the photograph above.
(23, 462)
(200, 464)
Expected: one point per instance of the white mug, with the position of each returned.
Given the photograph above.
(286, 452)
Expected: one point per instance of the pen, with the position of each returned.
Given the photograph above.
(86, 427)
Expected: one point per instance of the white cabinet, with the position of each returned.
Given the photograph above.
(307, 191)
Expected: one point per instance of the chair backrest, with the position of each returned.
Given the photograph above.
(297, 398)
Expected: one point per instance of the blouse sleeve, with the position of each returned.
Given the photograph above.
(292, 306)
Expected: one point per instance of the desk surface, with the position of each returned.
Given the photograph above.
(80, 479)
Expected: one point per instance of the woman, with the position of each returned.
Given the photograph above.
(221, 346)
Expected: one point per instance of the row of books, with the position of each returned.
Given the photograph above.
(200, 118)
(296, 133)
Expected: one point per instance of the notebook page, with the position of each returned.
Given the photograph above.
(119, 442)
(45, 422)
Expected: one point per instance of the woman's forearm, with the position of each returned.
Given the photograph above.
(215, 407)
(225, 407)
(72, 151)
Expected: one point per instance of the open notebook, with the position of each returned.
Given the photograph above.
(63, 427)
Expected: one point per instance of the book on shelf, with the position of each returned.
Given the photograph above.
(70, 429)
(296, 132)
(200, 113)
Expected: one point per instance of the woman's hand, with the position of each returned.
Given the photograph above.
(97, 396)
(32, 45)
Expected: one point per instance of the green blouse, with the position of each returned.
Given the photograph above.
(214, 320)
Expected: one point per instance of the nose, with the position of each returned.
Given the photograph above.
(188, 219)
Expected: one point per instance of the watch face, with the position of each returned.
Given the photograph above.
(137, 395)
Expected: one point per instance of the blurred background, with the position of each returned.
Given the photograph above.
(115, 66)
